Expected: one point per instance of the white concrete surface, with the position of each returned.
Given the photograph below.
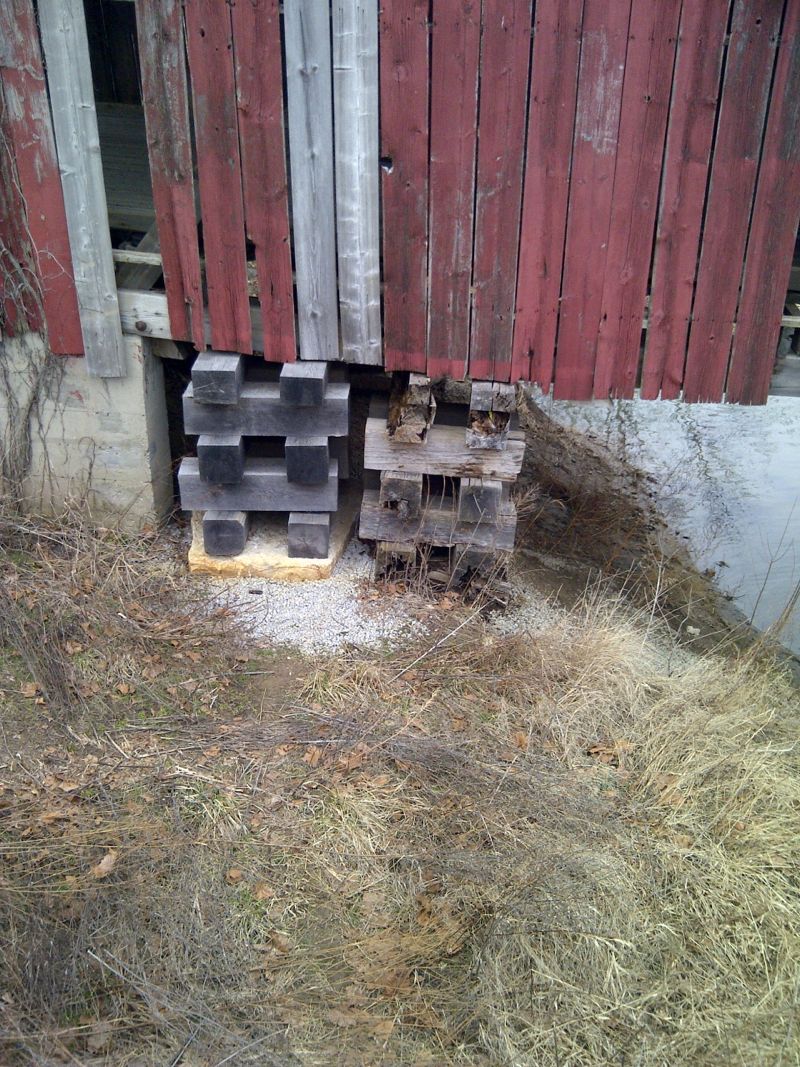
(100, 443)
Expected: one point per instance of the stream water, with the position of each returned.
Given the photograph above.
(728, 478)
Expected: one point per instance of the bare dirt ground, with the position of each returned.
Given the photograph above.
(567, 840)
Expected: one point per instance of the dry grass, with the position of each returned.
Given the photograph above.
(578, 848)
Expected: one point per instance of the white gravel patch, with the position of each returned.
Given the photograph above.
(322, 616)
(528, 613)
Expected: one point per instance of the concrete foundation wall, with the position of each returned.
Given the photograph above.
(99, 442)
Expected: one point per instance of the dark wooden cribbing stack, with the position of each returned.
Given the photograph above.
(442, 484)
(225, 409)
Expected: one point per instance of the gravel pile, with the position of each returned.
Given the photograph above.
(326, 616)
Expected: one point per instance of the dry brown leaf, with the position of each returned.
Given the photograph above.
(280, 941)
(521, 739)
(313, 756)
(29, 690)
(126, 688)
(105, 866)
(263, 891)
(233, 876)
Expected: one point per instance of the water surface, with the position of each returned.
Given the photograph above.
(726, 477)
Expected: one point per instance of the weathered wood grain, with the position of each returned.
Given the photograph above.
(39, 205)
(264, 487)
(776, 214)
(649, 63)
(404, 181)
(210, 46)
(217, 377)
(435, 525)
(261, 412)
(748, 73)
(308, 535)
(690, 134)
(225, 532)
(505, 54)
(455, 55)
(69, 75)
(551, 122)
(600, 79)
(259, 99)
(166, 109)
(308, 87)
(445, 452)
(355, 95)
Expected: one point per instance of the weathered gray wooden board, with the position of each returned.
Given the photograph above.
(355, 95)
(69, 76)
(308, 535)
(225, 532)
(264, 487)
(438, 525)
(310, 110)
(444, 452)
(261, 413)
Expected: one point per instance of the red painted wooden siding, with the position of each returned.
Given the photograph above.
(454, 126)
(605, 33)
(166, 110)
(404, 173)
(259, 95)
(36, 207)
(554, 82)
(505, 52)
(645, 103)
(776, 214)
(689, 138)
(210, 46)
(748, 74)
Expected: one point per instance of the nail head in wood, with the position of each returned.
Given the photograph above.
(307, 460)
(217, 377)
(220, 458)
(225, 532)
(309, 535)
(303, 384)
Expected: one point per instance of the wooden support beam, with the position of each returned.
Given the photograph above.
(394, 555)
(412, 408)
(444, 452)
(436, 525)
(69, 74)
(401, 493)
(217, 378)
(225, 532)
(309, 535)
(264, 487)
(303, 384)
(307, 460)
(220, 458)
(479, 500)
(260, 412)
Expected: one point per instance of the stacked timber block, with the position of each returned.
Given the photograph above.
(264, 446)
(442, 478)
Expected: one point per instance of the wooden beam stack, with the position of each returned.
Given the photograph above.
(229, 479)
(443, 479)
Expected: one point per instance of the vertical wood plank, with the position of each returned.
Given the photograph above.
(645, 102)
(36, 183)
(505, 54)
(20, 284)
(776, 214)
(604, 42)
(159, 26)
(690, 133)
(551, 123)
(259, 96)
(210, 47)
(748, 73)
(308, 86)
(69, 76)
(455, 55)
(355, 95)
(404, 172)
